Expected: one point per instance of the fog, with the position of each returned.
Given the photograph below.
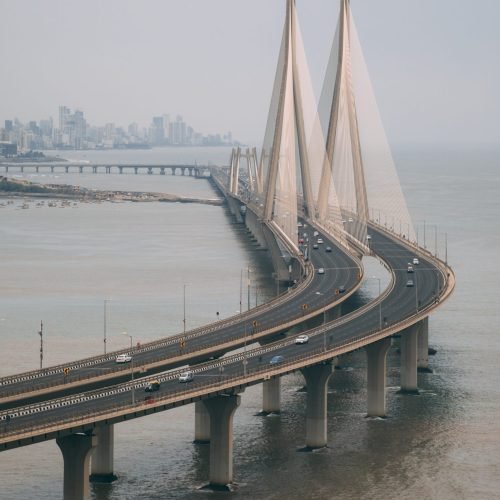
(434, 64)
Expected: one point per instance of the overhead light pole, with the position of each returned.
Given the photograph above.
(131, 365)
(40, 332)
(105, 324)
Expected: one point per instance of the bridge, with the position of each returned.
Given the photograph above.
(194, 170)
(313, 181)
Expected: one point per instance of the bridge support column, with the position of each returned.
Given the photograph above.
(409, 339)
(221, 410)
(76, 455)
(201, 423)
(376, 354)
(317, 377)
(101, 464)
(271, 396)
(423, 346)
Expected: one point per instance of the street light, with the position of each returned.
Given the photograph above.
(184, 307)
(41, 343)
(248, 288)
(416, 290)
(105, 318)
(131, 365)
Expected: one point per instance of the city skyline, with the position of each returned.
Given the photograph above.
(72, 131)
(431, 63)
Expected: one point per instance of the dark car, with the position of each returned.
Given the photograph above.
(276, 359)
(328, 249)
(153, 386)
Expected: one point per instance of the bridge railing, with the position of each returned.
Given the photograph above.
(248, 376)
(155, 344)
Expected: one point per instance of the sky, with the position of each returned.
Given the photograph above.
(434, 64)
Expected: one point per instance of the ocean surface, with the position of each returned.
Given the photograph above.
(60, 264)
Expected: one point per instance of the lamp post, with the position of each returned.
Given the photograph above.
(245, 362)
(105, 318)
(41, 343)
(131, 365)
(416, 290)
(241, 289)
(184, 308)
(379, 304)
(248, 288)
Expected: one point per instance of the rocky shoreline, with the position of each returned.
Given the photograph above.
(10, 188)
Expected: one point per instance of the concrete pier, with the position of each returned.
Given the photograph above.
(376, 355)
(221, 410)
(76, 450)
(409, 342)
(423, 346)
(201, 423)
(101, 464)
(317, 377)
(271, 395)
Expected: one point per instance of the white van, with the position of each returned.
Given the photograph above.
(186, 377)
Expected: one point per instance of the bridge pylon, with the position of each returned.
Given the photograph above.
(358, 164)
(288, 188)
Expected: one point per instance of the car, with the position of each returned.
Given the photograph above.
(321, 270)
(410, 268)
(320, 241)
(328, 249)
(301, 241)
(276, 360)
(368, 237)
(299, 224)
(123, 358)
(315, 246)
(152, 386)
(302, 339)
(341, 289)
(409, 283)
(186, 377)
(415, 261)
(315, 233)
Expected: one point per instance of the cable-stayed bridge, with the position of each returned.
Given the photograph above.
(322, 173)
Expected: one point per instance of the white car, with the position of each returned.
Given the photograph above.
(123, 358)
(186, 377)
(302, 339)
(415, 261)
(321, 270)
(320, 241)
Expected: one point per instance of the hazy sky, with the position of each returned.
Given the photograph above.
(434, 64)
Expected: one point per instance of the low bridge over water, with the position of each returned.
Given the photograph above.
(193, 170)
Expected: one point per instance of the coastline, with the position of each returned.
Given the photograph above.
(10, 188)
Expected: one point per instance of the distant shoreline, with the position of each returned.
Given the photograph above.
(23, 189)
